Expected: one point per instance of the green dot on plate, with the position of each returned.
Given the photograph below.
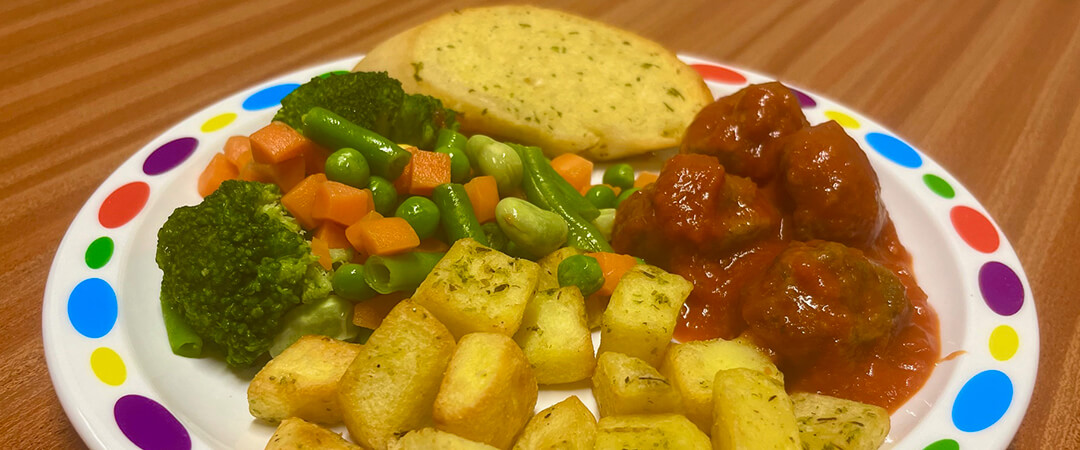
(99, 252)
(939, 186)
(944, 444)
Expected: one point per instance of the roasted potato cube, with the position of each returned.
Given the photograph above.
(625, 385)
(477, 289)
(829, 422)
(390, 388)
(752, 411)
(641, 315)
(430, 438)
(692, 366)
(549, 266)
(489, 391)
(555, 338)
(659, 431)
(302, 381)
(296, 434)
(567, 425)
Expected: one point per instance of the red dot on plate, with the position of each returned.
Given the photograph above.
(719, 74)
(975, 229)
(123, 204)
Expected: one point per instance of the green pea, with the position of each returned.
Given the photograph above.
(348, 166)
(459, 164)
(620, 175)
(581, 271)
(422, 215)
(534, 230)
(601, 196)
(349, 283)
(625, 195)
(450, 138)
(384, 194)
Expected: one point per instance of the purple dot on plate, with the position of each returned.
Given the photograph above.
(169, 155)
(804, 100)
(149, 425)
(1001, 288)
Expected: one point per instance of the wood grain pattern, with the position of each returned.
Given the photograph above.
(988, 89)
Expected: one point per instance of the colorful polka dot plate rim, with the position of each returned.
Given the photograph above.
(122, 388)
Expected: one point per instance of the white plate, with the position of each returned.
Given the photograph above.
(122, 387)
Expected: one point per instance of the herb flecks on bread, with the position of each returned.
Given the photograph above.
(547, 78)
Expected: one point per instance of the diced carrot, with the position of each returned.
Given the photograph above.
(341, 203)
(357, 245)
(644, 178)
(287, 174)
(315, 159)
(404, 182)
(371, 312)
(238, 150)
(321, 249)
(432, 245)
(253, 171)
(278, 142)
(219, 169)
(483, 193)
(333, 234)
(429, 169)
(576, 170)
(614, 267)
(301, 199)
(386, 236)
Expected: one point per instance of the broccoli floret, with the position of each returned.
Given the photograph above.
(374, 101)
(234, 264)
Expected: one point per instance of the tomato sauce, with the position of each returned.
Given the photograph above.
(754, 209)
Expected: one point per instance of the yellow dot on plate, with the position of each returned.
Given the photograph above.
(108, 366)
(218, 122)
(844, 120)
(1003, 342)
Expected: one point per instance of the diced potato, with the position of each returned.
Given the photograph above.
(390, 388)
(555, 338)
(829, 422)
(692, 366)
(659, 431)
(625, 385)
(549, 266)
(477, 289)
(296, 434)
(430, 438)
(752, 411)
(595, 305)
(489, 391)
(641, 315)
(302, 381)
(567, 425)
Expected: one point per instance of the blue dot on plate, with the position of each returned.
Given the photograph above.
(92, 307)
(982, 401)
(269, 97)
(896, 150)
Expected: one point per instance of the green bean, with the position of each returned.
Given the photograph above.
(495, 236)
(349, 282)
(384, 195)
(458, 218)
(620, 175)
(348, 166)
(422, 215)
(404, 272)
(329, 317)
(601, 196)
(183, 340)
(605, 222)
(491, 157)
(450, 138)
(582, 271)
(459, 163)
(570, 195)
(543, 193)
(535, 231)
(330, 130)
(625, 195)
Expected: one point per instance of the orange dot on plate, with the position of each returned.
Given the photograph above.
(123, 204)
(975, 229)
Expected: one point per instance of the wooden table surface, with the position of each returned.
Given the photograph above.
(988, 89)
